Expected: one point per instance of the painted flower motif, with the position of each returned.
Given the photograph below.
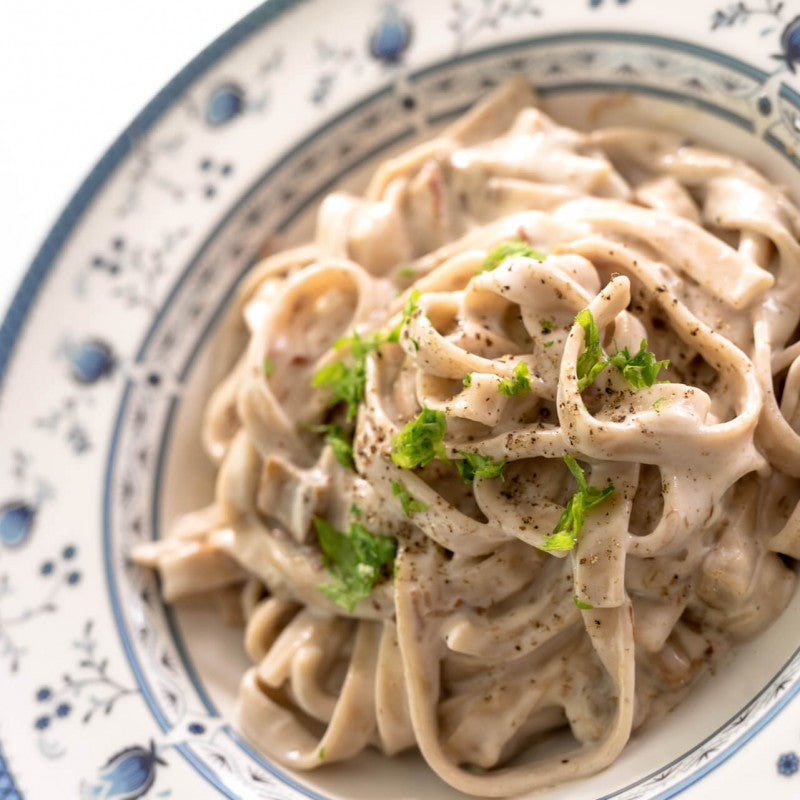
(788, 763)
(225, 103)
(63, 709)
(391, 38)
(47, 568)
(73, 578)
(69, 552)
(16, 522)
(42, 722)
(128, 775)
(44, 693)
(790, 44)
(91, 360)
(195, 728)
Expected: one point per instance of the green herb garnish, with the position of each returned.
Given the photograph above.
(657, 404)
(321, 754)
(581, 605)
(518, 384)
(406, 272)
(268, 367)
(640, 369)
(410, 504)
(346, 382)
(420, 441)
(339, 442)
(467, 379)
(547, 325)
(514, 247)
(590, 362)
(565, 533)
(408, 311)
(549, 344)
(355, 510)
(475, 465)
(356, 560)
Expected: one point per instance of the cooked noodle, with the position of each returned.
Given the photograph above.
(482, 641)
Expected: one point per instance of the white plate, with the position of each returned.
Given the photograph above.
(108, 350)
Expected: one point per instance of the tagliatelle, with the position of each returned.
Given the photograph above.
(524, 600)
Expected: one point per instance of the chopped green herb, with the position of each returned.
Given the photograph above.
(268, 367)
(475, 465)
(420, 441)
(549, 344)
(339, 442)
(406, 271)
(347, 382)
(355, 510)
(590, 362)
(514, 247)
(356, 560)
(547, 325)
(467, 379)
(658, 404)
(321, 754)
(518, 384)
(408, 311)
(410, 504)
(565, 533)
(640, 369)
(581, 605)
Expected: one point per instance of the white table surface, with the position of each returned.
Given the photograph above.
(74, 74)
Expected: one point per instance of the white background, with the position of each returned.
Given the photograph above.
(73, 73)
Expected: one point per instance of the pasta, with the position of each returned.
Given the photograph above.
(512, 450)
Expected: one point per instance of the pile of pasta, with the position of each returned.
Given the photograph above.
(511, 452)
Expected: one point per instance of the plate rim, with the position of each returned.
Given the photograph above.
(34, 275)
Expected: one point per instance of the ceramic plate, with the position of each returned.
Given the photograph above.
(109, 349)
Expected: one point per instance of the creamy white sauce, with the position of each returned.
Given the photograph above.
(477, 646)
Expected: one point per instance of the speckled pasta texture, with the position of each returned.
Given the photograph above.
(449, 370)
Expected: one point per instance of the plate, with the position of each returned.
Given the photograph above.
(110, 346)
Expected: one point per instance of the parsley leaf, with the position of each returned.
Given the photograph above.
(408, 311)
(406, 271)
(356, 560)
(420, 441)
(514, 247)
(519, 384)
(347, 382)
(339, 442)
(410, 504)
(661, 401)
(566, 531)
(549, 344)
(268, 367)
(640, 369)
(590, 362)
(547, 325)
(467, 379)
(581, 605)
(475, 465)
